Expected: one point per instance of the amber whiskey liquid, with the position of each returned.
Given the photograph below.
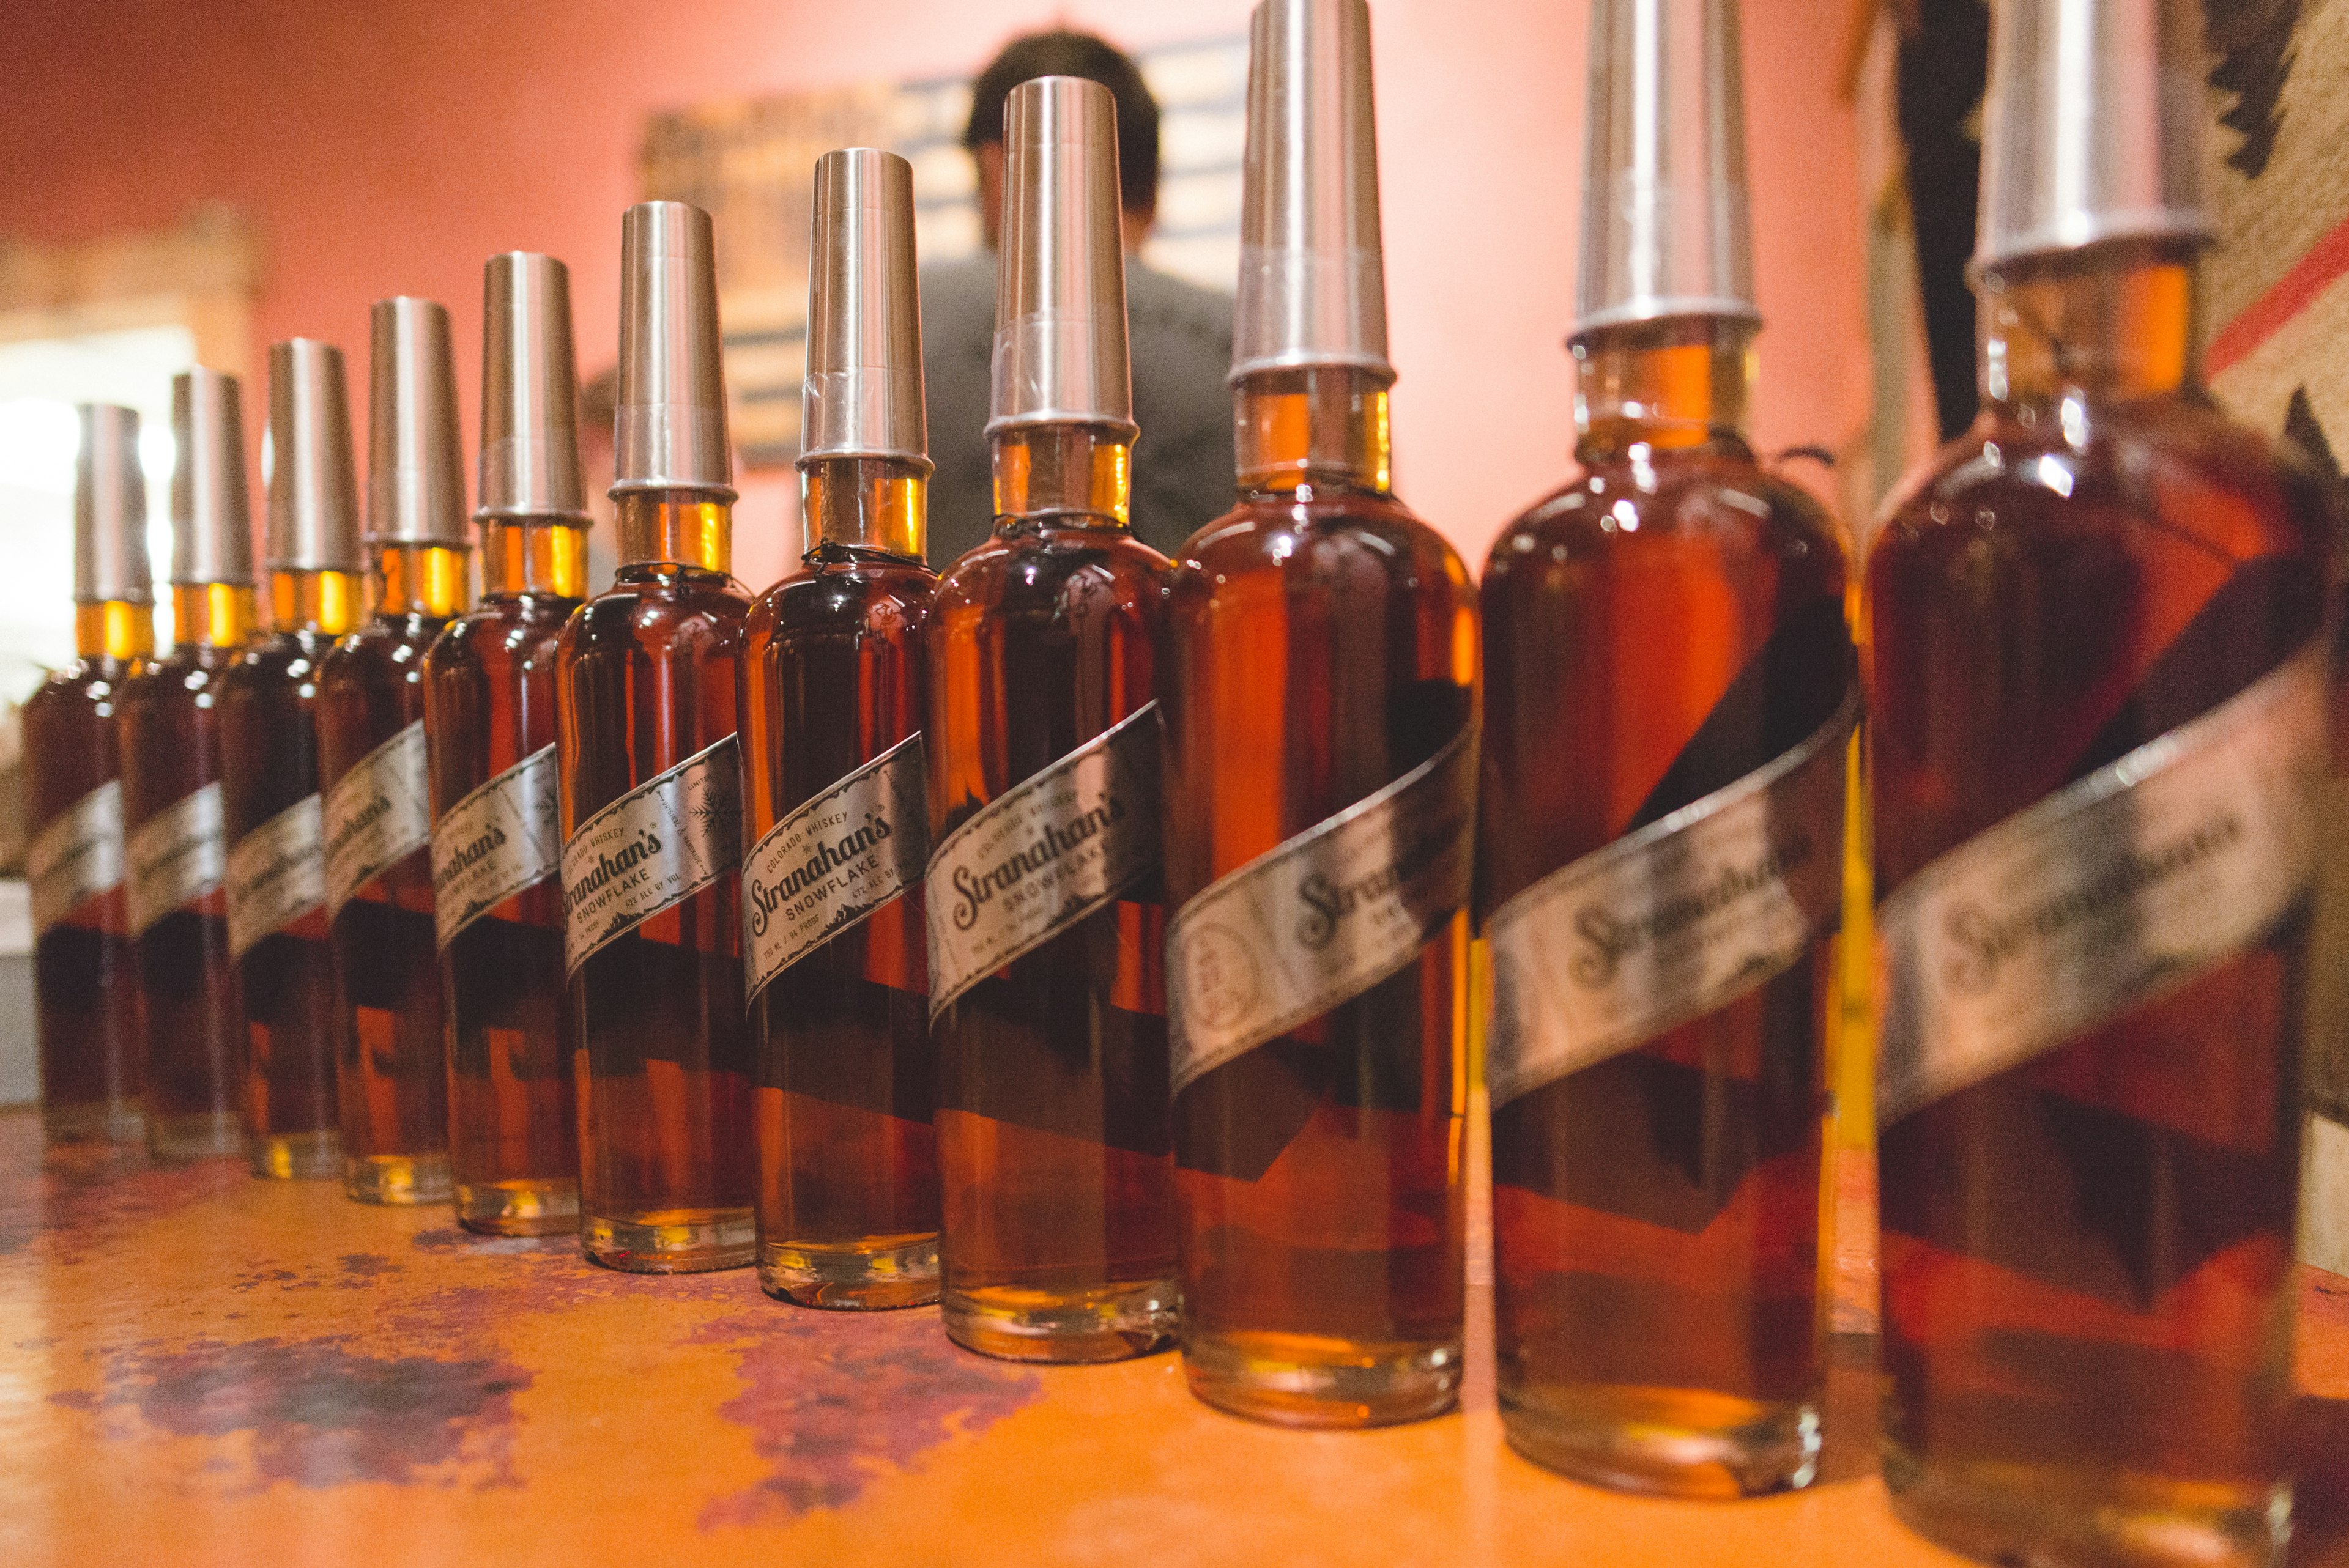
(170, 728)
(834, 676)
(1665, 625)
(645, 681)
(1321, 644)
(2087, 1257)
(489, 707)
(286, 975)
(85, 988)
(1054, 1152)
(391, 1052)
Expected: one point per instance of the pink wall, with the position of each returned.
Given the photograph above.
(389, 146)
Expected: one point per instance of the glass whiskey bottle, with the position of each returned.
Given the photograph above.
(1043, 895)
(173, 804)
(1320, 696)
(1669, 704)
(489, 716)
(84, 994)
(836, 807)
(391, 1044)
(645, 732)
(2096, 684)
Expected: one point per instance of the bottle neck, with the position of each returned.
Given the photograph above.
(2110, 324)
(538, 555)
(211, 614)
(1078, 471)
(676, 528)
(1314, 425)
(113, 629)
(1677, 384)
(877, 505)
(325, 602)
(418, 580)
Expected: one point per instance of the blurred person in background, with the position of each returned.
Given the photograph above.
(1181, 332)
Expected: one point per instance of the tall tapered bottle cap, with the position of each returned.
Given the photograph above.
(529, 391)
(111, 510)
(212, 514)
(415, 481)
(670, 431)
(1060, 301)
(1312, 280)
(1666, 226)
(2092, 126)
(863, 396)
(313, 508)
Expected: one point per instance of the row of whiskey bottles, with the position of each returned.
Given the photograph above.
(1081, 939)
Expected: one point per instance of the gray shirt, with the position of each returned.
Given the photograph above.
(1181, 346)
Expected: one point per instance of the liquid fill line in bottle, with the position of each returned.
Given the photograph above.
(489, 722)
(86, 998)
(392, 1045)
(1320, 717)
(174, 799)
(1669, 701)
(1045, 904)
(836, 791)
(2097, 686)
(651, 796)
(276, 873)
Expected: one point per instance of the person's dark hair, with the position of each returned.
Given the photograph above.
(1067, 53)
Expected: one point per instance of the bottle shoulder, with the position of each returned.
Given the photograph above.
(389, 646)
(1665, 501)
(83, 684)
(707, 608)
(2174, 465)
(1033, 565)
(520, 627)
(850, 593)
(1328, 538)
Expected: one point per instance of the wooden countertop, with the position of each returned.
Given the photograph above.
(197, 1367)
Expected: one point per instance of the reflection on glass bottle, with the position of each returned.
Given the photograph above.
(84, 994)
(1320, 702)
(489, 715)
(2095, 696)
(835, 807)
(171, 790)
(645, 693)
(1044, 908)
(1667, 729)
(391, 1050)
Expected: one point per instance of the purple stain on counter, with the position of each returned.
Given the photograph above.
(833, 1398)
(78, 1193)
(321, 1415)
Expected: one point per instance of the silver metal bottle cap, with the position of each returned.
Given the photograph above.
(2092, 126)
(416, 478)
(1312, 280)
(670, 431)
(212, 511)
(1060, 300)
(313, 503)
(111, 510)
(1666, 227)
(529, 391)
(863, 396)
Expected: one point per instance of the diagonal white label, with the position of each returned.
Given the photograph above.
(654, 847)
(845, 853)
(503, 837)
(2116, 888)
(176, 857)
(377, 813)
(276, 874)
(76, 856)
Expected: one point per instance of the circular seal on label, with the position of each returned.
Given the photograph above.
(1225, 982)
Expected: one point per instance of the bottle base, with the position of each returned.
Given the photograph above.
(296, 1156)
(866, 1276)
(395, 1178)
(520, 1207)
(2057, 1517)
(1313, 1380)
(102, 1123)
(671, 1241)
(207, 1135)
(1113, 1322)
(1667, 1442)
